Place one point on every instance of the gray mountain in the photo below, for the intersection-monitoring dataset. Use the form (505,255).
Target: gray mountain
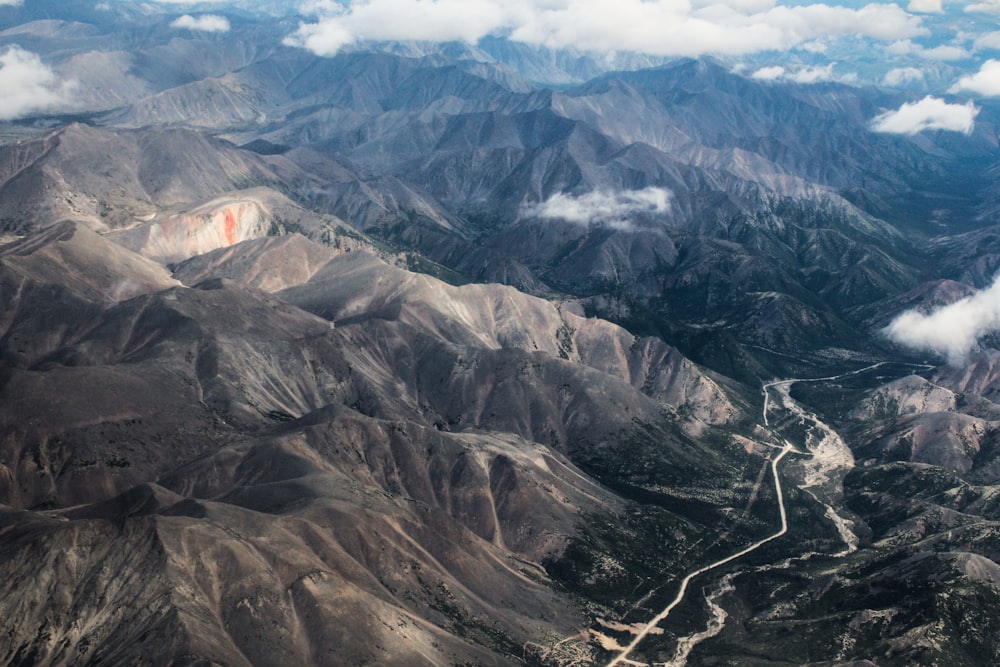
(400,357)
(264,465)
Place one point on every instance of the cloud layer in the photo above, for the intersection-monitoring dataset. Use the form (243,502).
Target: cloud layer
(926,6)
(29,85)
(985,82)
(930,113)
(985,7)
(203,23)
(944,52)
(989,41)
(902,76)
(657,27)
(608,209)
(814,74)
(953,330)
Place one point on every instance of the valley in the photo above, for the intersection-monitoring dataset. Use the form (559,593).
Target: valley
(622,658)
(825,460)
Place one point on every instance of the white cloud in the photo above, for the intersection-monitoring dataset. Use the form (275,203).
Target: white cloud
(985,82)
(818,46)
(658,27)
(952,330)
(609,209)
(814,74)
(930,113)
(318,7)
(741,5)
(399,20)
(902,76)
(906,47)
(926,6)
(818,74)
(772,73)
(986,7)
(987,41)
(15,3)
(945,52)
(203,23)
(903,47)
(29,85)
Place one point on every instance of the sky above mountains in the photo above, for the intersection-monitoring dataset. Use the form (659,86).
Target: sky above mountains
(660,27)
(919,44)
(930,47)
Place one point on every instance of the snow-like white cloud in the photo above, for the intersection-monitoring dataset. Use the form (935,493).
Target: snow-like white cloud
(945,52)
(203,23)
(926,6)
(399,20)
(770,73)
(930,113)
(984,7)
(608,209)
(985,82)
(658,27)
(811,74)
(816,46)
(30,86)
(15,3)
(902,76)
(987,41)
(907,47)
(953,330)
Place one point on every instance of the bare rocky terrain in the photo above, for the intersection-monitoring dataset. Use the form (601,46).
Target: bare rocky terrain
(400,473)
(316,361)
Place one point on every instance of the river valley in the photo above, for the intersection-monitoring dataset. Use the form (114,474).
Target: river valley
(819,461)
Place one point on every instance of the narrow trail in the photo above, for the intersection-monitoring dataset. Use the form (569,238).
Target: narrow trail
(829,455)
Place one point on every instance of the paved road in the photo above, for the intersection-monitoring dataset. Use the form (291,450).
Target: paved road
(846,534)
(622,658)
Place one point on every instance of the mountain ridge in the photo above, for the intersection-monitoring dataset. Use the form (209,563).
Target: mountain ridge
(396,357)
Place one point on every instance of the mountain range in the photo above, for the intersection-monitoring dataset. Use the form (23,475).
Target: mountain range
(440,355)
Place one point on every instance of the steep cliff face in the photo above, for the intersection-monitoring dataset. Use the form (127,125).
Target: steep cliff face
(220,223)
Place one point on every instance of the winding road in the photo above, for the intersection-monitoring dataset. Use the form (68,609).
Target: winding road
(622,658)
(830,454)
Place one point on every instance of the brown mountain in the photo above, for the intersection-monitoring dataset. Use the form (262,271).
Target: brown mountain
(212,473)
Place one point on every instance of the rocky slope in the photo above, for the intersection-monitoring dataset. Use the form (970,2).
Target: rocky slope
(303,359)
(455,158)
(400,479)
